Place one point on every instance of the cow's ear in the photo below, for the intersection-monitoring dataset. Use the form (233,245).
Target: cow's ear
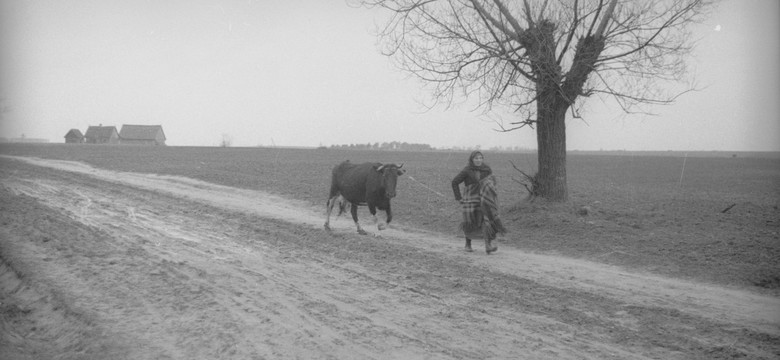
(401,172)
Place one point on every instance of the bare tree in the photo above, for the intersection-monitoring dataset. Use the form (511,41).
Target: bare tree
(543,59)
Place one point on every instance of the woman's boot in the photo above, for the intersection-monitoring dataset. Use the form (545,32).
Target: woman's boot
(468,245)
(489,247)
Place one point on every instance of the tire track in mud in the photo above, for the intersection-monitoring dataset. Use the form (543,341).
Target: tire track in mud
(302,303)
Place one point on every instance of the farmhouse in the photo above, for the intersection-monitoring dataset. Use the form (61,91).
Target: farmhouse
(102,135)
(142,135)
(74,136)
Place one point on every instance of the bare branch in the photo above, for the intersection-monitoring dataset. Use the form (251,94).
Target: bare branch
(508,15)
(493,21)
(534,183)
(528,16)
(595,18)
(605,19)
(541,12)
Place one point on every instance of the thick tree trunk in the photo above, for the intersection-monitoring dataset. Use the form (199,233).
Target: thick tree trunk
(551,106)
(551,141)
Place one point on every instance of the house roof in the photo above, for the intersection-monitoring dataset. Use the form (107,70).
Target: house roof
(100,132)
(74,132)
(141,132)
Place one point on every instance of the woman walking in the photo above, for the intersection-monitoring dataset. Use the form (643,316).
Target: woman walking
(471,200)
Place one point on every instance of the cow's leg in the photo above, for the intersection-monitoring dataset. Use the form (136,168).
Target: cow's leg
(329,209)
(372,210)
(389,213)
(389,217)
(353,210)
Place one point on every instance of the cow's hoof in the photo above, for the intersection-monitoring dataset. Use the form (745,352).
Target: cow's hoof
(491,250)
(362,232)
(381,226)
(327,227)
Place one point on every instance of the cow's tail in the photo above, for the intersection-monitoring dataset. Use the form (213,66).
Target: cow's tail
(343,205)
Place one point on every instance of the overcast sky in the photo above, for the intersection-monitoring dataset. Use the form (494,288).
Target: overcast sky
(309,73)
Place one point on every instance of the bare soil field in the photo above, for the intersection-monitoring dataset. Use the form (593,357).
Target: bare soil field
(101,262)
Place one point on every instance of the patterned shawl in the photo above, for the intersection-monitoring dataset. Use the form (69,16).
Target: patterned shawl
(488,197)
(480,208)
(472,214)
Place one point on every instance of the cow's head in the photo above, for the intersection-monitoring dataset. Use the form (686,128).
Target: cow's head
(389,174)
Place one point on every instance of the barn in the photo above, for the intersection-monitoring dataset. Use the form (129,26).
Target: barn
(102,135)
(142,135)
(74,136)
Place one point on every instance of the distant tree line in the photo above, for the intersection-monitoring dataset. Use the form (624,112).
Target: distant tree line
(395,145)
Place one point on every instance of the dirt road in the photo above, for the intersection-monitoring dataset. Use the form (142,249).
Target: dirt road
(101,264)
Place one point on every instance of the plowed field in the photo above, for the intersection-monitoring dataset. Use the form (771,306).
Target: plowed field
(105,264)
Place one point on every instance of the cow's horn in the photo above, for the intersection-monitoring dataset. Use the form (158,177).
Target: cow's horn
(400,166)
(380,168)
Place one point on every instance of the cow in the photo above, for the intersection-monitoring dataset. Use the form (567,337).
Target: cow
(371,184)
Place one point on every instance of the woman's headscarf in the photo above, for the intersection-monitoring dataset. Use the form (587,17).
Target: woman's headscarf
(471,165)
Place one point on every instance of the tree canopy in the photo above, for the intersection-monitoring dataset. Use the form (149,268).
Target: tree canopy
(484,49)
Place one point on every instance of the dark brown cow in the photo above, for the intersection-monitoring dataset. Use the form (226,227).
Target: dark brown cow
(371,184)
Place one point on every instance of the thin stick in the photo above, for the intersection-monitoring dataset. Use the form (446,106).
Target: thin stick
(728,208)
(682,172)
